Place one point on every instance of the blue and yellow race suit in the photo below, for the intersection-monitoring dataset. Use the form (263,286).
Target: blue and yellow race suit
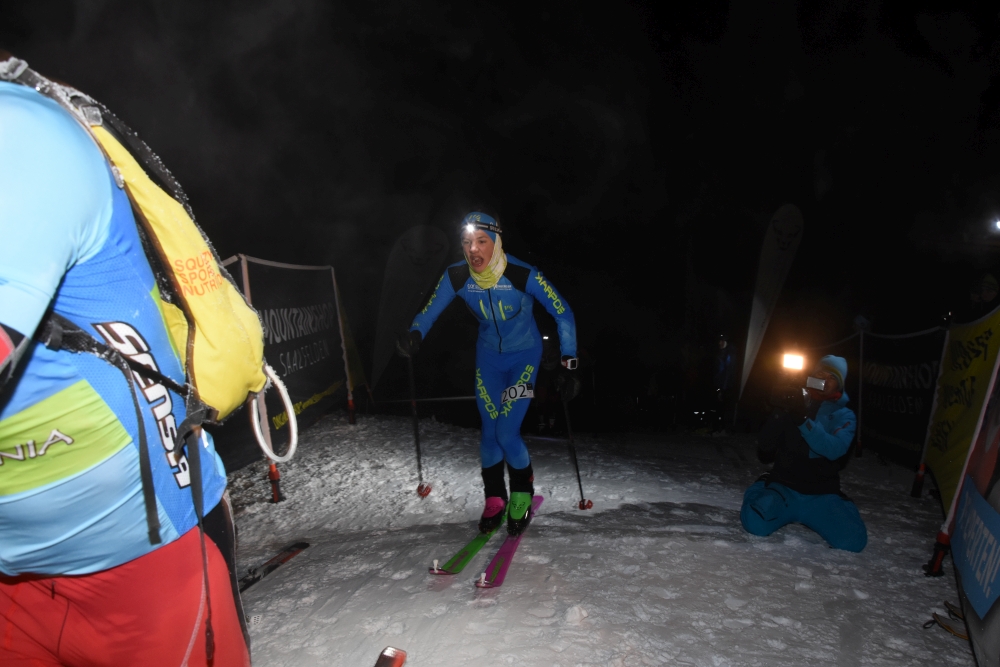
(509,349)
(71,498)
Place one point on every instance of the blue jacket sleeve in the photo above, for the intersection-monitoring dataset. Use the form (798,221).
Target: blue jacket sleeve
(543,292)
(832,443)
(440,298)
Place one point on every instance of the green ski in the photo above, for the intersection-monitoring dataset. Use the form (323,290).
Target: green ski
(466,553)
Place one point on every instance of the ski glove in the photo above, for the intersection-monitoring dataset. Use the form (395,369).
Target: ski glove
(408,343)
(568,385)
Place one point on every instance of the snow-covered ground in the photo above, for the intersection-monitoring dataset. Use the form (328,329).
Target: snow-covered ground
(659,572)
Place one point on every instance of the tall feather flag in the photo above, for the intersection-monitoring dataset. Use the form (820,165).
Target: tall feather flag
(781,241)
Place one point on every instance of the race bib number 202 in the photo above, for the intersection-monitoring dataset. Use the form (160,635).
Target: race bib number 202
(516,392)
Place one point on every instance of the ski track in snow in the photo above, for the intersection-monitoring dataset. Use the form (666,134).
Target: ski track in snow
(660,572)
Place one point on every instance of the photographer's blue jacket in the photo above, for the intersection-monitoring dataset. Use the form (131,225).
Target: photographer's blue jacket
(506,323)
(830,432)
(808,456)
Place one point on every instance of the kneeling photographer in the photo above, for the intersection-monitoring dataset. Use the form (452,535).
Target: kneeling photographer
(808,438)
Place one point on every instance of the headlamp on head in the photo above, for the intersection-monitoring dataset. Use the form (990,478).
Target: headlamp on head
(476,220)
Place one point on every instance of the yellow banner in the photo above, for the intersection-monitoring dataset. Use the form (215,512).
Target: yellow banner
(301,406)
(967,371)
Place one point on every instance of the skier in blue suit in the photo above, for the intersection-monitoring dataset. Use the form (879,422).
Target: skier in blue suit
(500,290)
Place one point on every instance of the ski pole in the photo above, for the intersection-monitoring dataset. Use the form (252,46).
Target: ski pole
(422,489)
(584,503)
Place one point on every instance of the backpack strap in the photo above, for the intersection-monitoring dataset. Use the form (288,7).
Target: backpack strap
(91,112)
(58,333)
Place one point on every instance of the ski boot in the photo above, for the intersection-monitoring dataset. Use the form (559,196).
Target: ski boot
(522,488)
(518,512)
(496,498)
(493,515)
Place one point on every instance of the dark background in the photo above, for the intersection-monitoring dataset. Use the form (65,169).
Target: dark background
(635,151)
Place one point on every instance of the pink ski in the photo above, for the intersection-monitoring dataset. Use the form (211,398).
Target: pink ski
(497,569)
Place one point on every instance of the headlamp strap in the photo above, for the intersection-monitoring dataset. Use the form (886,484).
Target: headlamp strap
(487,226)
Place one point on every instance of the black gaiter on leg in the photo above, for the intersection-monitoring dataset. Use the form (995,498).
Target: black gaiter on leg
(493,483)
(522,480)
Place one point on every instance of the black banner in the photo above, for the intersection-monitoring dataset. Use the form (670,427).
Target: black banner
(899,379)
(302,343)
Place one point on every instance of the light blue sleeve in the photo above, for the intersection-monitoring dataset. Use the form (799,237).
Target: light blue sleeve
(55,202)
(546,294)
(834,443)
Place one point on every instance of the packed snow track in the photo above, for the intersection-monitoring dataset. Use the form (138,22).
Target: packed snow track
(660,572)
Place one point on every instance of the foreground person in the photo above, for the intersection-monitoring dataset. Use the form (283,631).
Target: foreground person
(500,290)
(807,443)
(101,559)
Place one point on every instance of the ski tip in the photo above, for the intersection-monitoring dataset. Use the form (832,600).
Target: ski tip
(482,583)
(391,657)
(437,570)
(424,490)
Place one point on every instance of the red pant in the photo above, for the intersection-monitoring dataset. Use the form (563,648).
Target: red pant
(150,611)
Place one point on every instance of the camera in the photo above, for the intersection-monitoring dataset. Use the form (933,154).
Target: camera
(788,397)
(793,397)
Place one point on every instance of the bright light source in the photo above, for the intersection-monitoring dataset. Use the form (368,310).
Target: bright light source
(470,228)
(997,223)
(793,362)
(545,337)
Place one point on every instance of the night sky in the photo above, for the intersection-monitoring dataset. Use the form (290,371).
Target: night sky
(634,151)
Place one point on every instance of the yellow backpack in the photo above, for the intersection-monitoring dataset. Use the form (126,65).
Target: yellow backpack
(215,332)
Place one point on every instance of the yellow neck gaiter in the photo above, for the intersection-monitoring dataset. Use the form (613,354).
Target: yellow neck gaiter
(494,270)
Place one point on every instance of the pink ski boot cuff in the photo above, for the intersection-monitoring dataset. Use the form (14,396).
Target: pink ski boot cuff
(494,505)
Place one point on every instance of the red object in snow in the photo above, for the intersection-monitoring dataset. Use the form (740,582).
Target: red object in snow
(423,491)
(391,657)
(586,504)
(275,477)
(942,546)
